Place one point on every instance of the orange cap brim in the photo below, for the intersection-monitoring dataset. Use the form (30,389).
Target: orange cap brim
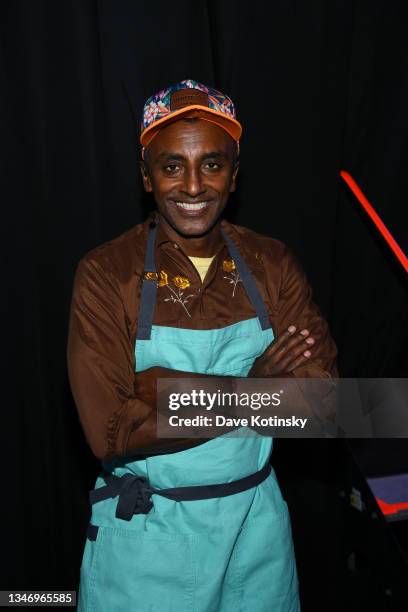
(230,125)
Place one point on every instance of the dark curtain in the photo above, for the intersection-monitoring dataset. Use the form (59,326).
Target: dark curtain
(319,87)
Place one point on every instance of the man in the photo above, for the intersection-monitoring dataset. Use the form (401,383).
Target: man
(187,294)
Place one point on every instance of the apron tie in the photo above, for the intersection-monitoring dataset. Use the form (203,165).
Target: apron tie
(134,494)
(134,497)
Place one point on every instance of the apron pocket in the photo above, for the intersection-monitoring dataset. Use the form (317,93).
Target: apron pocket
(265,563)
(138,570)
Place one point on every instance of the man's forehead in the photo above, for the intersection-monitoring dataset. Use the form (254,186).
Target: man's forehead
(198,138)
(194,128)
(203,154)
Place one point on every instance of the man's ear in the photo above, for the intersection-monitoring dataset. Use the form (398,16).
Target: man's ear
(234,176)
(145,177)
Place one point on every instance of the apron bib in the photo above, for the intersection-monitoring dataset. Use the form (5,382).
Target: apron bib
(224,554)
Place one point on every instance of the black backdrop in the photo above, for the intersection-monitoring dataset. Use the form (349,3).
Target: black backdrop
(319,86)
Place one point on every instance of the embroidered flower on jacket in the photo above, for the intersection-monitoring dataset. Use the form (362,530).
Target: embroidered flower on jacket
(181,282)
(163,279)
(151,276)
(228,265)
(177,293)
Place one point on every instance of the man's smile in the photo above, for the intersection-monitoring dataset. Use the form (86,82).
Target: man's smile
(191,209)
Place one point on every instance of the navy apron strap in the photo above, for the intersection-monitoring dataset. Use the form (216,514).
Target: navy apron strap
(218,490)
(149,290)
(134,492)
(249,283)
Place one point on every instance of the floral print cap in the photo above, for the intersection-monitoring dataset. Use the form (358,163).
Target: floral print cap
(188,98)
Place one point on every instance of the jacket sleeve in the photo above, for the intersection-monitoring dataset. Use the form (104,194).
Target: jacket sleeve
(101,368)
(296,307)
(101,362)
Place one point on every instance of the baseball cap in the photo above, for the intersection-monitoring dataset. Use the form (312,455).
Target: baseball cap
(188,98)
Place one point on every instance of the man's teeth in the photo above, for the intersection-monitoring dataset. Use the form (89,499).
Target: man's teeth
(192,206)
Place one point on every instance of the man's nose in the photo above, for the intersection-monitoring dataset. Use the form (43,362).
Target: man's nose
(193,184)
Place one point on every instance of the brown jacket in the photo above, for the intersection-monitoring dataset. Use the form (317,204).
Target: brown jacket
(104,313)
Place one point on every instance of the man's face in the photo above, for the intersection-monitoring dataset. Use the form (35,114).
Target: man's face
(191,168)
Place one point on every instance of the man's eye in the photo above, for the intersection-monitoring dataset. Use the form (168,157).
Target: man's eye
(213,165)
(171,167)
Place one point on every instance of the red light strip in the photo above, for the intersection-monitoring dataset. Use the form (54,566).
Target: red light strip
(387,508)
(392,243)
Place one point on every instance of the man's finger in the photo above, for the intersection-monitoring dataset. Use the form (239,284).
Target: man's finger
(303,358)
(292,346)
(295,351)
(281,340)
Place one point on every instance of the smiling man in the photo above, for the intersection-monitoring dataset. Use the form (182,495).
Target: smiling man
(183,524)
(191,167)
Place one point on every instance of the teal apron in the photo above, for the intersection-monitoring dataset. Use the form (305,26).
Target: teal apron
(147,552)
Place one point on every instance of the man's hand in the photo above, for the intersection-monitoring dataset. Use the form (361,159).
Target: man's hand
(287,352)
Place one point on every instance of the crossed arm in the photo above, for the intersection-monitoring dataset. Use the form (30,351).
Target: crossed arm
(117,407)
